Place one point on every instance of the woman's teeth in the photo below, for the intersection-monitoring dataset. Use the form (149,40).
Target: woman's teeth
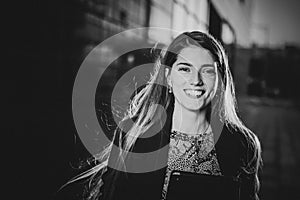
(194,93)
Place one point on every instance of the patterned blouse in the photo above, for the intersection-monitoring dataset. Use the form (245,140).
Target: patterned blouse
(191,153)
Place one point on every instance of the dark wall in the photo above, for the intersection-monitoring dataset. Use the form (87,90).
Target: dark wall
(44,56)
(47,43)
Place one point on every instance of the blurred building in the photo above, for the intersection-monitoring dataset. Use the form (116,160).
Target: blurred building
(229,21)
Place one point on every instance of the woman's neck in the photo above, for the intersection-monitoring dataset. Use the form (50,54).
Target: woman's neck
(188,121)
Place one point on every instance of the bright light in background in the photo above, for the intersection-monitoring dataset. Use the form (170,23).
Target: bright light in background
(227,35)
(179,15)
(130,58)
(179,20)
(190,16)
(161,14)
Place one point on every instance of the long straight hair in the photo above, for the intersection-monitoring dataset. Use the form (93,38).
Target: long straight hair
(143,107)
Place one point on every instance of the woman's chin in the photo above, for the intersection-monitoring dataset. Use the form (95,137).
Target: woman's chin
(194,106)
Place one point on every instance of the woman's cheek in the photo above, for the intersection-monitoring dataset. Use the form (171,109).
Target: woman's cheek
(178,80)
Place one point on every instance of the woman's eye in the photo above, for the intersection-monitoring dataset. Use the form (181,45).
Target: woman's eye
(208,71)
(184,69)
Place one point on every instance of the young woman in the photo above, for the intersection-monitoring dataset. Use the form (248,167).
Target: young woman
(171,124)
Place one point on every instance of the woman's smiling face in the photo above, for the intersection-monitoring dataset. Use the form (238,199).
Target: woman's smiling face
(193,77)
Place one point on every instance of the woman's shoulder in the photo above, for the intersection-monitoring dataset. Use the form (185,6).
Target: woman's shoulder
(246,141)
(243,137)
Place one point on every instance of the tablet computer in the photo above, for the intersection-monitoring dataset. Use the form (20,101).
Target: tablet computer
(187,185)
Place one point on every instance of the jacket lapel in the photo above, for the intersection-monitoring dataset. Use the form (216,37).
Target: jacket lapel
(228,152)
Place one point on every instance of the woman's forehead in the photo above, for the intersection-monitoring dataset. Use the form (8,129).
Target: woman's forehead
(195,55)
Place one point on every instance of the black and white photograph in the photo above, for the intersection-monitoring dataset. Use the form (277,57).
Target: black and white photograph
(153,99)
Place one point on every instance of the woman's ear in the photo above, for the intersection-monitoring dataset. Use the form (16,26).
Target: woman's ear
(168,77)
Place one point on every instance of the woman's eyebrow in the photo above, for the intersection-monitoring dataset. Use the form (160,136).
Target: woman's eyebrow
(190,65)
(185,63)
(208,65)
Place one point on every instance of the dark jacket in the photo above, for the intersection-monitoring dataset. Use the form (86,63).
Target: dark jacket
(232,153)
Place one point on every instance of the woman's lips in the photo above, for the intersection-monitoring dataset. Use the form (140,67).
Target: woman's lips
(195,94)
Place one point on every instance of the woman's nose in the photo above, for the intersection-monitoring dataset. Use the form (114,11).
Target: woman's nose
(197,79)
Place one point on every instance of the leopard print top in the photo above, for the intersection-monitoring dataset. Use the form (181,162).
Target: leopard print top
(191,153)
